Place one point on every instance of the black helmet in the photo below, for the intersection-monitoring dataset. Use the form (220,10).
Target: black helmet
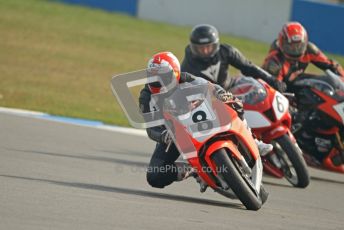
(204,41)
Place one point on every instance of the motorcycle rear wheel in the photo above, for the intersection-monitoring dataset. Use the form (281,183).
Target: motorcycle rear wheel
(235,179)
(298,165)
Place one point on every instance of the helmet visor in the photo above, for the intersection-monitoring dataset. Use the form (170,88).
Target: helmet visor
(204,50)
(294,49)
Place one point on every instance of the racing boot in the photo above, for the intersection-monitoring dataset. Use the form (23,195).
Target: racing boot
(184,171)
(263,148)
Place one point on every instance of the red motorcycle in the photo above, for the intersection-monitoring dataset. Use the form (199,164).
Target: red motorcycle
(267,114)
(216,143)
(208,133)
(319,120)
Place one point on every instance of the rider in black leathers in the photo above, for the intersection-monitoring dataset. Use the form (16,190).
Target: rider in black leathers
(205,57)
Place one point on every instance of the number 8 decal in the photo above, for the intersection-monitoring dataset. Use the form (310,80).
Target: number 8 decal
(199,116)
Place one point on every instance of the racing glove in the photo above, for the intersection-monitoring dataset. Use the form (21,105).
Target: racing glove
(237,105)
(166,137)
(234,102)
(278,85)
(222,95)
(271,80)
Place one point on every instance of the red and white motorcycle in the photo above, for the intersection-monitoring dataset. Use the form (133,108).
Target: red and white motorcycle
(267,114)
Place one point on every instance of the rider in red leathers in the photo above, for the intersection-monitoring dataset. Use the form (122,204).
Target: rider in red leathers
(291,53)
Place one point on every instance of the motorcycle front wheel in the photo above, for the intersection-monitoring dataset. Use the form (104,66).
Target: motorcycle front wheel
(292,162)
(235,178)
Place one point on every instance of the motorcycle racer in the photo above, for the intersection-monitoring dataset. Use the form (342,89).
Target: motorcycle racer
(292,52)
(165,154)
(206,57)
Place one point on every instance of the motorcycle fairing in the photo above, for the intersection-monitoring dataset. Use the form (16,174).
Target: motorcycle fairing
(339,108)
(256,120)
(331,106)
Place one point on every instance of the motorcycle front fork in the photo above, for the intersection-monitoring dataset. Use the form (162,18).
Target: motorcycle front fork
(274,159)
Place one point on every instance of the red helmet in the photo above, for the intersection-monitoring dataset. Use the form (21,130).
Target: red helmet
(163,59)
(293,40)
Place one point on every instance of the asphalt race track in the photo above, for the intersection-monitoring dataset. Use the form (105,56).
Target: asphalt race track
(63,176)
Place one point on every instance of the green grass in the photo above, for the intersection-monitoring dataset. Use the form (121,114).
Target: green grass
(60,58)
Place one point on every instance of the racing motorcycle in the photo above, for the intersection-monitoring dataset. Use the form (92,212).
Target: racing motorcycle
(318,114)
(267,114)
(208,134)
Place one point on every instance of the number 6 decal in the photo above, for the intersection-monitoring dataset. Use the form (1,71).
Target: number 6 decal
(280,105)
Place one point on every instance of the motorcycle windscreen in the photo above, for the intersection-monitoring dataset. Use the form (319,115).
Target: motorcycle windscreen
(249,90)
(330,84)
(193,114)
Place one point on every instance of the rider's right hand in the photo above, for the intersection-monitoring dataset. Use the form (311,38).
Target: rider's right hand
(278,85)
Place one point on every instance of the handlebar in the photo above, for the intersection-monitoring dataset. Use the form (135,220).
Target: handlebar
(289,94)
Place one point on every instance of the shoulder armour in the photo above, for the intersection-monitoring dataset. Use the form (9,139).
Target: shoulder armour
(272,66)
(274,45)
(312,48)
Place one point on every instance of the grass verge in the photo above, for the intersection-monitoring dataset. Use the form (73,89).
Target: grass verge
(59,59)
